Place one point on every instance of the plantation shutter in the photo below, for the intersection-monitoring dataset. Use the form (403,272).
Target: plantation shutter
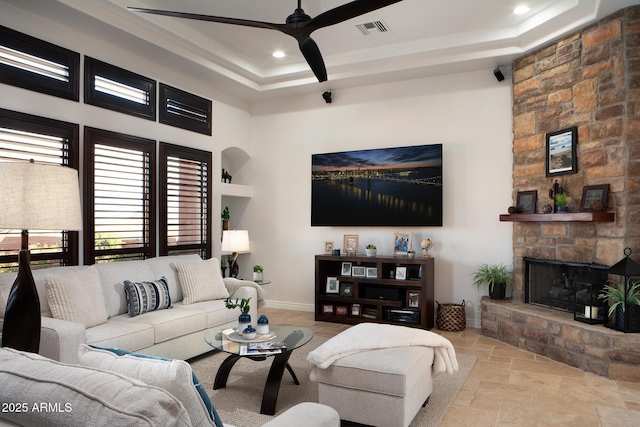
(185,198)
(119,197)
(24,137)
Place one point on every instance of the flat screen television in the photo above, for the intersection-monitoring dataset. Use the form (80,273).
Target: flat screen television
(400,186)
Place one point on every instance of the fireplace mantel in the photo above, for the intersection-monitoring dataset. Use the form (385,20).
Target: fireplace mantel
(561,217)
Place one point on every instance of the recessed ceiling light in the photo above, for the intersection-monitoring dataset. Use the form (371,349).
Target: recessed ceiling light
(278,54)
(519,10)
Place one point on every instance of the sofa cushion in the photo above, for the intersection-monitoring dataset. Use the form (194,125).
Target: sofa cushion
(216,311)
(174,376)
(130,335)
(147,296)
(168,324)
(165,266)
(77,297)
(112,277)
(74,395)
(201,280)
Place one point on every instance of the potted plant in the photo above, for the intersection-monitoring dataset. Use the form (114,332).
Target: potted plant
(615,293)
(497,278)
(244,319)
(257,273)
(225,218)
(561,202)
(371,250)
(411,253)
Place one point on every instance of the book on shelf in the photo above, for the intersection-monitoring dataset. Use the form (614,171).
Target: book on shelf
(262,348)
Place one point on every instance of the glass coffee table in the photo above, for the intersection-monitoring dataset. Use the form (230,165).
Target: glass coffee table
(293,336)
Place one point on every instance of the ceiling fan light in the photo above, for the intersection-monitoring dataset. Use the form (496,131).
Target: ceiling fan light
(519,10)
(278,54)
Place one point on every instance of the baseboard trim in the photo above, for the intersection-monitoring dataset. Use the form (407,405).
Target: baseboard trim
(283,305)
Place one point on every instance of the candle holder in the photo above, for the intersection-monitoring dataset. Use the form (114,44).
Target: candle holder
(588,308)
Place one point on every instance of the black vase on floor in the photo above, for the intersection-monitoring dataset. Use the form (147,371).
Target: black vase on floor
(498,291)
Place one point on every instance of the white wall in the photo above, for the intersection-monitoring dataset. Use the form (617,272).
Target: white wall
(470,114)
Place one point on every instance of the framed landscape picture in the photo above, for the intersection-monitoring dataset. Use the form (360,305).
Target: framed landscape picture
(561,152)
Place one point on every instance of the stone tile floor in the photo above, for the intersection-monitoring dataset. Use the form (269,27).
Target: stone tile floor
(509,387)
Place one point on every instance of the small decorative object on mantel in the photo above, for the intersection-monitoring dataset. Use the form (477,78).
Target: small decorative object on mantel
(561,202)
(512,210)
(556,193)
(371,250)
(426,245)
(547,208)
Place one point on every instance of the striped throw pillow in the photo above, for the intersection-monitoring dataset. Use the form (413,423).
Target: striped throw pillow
(147,296)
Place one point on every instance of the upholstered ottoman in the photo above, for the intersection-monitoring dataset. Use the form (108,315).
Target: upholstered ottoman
(385,387)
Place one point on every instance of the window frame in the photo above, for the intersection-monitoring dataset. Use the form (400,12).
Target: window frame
(70,131)
(120,140)
(44,50)
(93,67)
(172,150)
(167,92)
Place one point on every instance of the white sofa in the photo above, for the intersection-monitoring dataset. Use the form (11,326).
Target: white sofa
(176,333)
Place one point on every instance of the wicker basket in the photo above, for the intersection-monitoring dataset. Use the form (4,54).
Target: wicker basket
(451,317)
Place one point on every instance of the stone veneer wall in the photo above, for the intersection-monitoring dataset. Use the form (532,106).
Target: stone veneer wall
(589,79)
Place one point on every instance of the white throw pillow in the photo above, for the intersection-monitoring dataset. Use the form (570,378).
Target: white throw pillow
(77,297)
(174,376)
(201,281)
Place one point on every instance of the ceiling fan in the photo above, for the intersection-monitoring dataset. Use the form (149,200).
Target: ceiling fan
(298,25)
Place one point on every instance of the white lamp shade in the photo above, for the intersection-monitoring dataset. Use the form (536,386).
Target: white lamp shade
(235,241)
(39,196)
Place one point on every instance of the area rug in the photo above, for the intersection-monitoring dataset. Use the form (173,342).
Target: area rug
(239,402)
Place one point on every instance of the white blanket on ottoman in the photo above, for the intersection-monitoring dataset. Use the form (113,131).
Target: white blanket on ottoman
(374,336)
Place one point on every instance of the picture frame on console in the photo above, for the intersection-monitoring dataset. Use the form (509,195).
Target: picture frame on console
(327,308)
(350,244)
(372,273)
(346,269)
(355,310)
(358,271)
(561,153)
(592,194)
(401,243)
(328,248)
(346,289)
(526,201)
(332,285)
(413,299)
(401,273)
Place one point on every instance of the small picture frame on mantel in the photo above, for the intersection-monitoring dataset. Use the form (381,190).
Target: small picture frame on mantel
(526,201)
(594,196)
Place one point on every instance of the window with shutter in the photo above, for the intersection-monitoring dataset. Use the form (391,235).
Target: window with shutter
(37,65)
(184,110)
(119,197)
(117,89)
(185,201)
(24,137)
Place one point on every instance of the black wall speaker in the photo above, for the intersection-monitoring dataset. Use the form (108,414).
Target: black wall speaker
(498,74)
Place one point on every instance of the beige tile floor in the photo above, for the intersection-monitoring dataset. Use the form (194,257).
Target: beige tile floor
(509,387)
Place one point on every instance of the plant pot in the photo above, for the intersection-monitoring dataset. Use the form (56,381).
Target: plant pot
(498,291)
(371,252)
(257,277)
(225,224)
(411,255)
(244,320)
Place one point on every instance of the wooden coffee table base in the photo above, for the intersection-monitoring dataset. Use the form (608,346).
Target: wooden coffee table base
(272,386)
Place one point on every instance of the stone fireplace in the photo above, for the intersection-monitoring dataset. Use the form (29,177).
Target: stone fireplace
(589,79)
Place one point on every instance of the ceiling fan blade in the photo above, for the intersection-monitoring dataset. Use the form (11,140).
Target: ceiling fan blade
(346,12)
(221,19)
(312,54)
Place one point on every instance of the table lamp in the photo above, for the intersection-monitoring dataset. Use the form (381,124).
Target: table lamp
(235,241)
(37,197)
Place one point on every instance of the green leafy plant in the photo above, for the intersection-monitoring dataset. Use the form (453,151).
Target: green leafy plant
(257,268)
(242,304)
(561,199)
(371,247)
(614,292)
(225,213)
(489,275)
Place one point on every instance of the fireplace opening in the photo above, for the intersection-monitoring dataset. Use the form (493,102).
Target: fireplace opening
(563,285)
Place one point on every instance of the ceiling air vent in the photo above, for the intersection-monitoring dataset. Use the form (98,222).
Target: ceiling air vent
(374,27)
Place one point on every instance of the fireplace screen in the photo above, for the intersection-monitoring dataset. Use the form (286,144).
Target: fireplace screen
(553,283)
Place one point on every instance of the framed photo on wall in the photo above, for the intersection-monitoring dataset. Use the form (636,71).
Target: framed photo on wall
(561,152)
(592,194)
(350,244)
(401,243)
(526,201)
